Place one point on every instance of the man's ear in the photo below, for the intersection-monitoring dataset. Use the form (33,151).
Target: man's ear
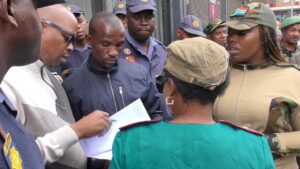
(7,12)
(125,20)
(89,39)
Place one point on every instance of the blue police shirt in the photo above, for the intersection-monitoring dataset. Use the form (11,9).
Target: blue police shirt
(153,61)
(77,57)
(22,150)
(74,61)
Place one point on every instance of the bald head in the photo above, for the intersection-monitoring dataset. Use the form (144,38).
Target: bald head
(61,25)
(107,19)
(107,36)
(56,13)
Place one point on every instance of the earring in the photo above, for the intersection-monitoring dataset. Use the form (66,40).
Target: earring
(169,100)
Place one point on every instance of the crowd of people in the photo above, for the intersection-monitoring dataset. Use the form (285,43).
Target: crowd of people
(223,95)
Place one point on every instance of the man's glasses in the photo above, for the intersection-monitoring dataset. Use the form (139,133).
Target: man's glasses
(160,82)
(68,36)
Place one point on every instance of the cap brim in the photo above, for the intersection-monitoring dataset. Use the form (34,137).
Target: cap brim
(77,12)
(287,25)
(241,24)
(222,24)
(194,32)
(142,7)
(120,12)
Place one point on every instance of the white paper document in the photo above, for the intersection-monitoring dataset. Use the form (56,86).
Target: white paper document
(100,146)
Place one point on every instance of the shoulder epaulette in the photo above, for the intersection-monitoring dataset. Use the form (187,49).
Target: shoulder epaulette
(139,124)
(159,42)
(240,127)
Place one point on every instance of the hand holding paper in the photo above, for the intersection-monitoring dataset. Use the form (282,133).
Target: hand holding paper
(100,147)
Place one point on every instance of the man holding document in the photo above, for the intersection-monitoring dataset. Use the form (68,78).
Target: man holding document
(106,82)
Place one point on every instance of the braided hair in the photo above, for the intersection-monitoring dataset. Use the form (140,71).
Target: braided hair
(270,45)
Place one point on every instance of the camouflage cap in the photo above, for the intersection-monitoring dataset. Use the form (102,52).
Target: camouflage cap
(140,5)
(198,61)
(251,15)
(120,8)
(290,21)
(213,24)
(193,25)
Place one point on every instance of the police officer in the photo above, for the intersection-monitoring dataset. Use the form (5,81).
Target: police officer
(81,47)
(190,27)
(120,11)
(290,28)
(216,31)
(140,47)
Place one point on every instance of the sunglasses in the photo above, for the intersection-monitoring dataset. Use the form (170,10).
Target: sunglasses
(160,82)
(68,36)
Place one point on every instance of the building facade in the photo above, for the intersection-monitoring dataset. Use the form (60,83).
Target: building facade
(286,8)
(170,12)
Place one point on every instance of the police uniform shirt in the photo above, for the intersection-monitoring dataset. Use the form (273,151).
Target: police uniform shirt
(18,147)
(153,60)
(76,58)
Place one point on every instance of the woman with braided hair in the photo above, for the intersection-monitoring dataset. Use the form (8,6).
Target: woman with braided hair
(264,90)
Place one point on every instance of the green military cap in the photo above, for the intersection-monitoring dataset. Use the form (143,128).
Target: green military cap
(198,61)
(212,25)
(251,15)
(290,21)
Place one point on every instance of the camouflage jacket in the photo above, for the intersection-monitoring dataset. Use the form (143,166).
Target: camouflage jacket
(265,98)
(291,56)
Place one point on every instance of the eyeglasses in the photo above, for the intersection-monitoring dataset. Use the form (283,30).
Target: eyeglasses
(160,82)
(68,36)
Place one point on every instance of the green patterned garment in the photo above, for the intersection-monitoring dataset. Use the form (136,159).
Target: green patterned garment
(291,56)
(284,119)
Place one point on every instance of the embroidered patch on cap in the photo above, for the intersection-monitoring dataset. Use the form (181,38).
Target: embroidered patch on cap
(121,6)
(196,24)
(241,11)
